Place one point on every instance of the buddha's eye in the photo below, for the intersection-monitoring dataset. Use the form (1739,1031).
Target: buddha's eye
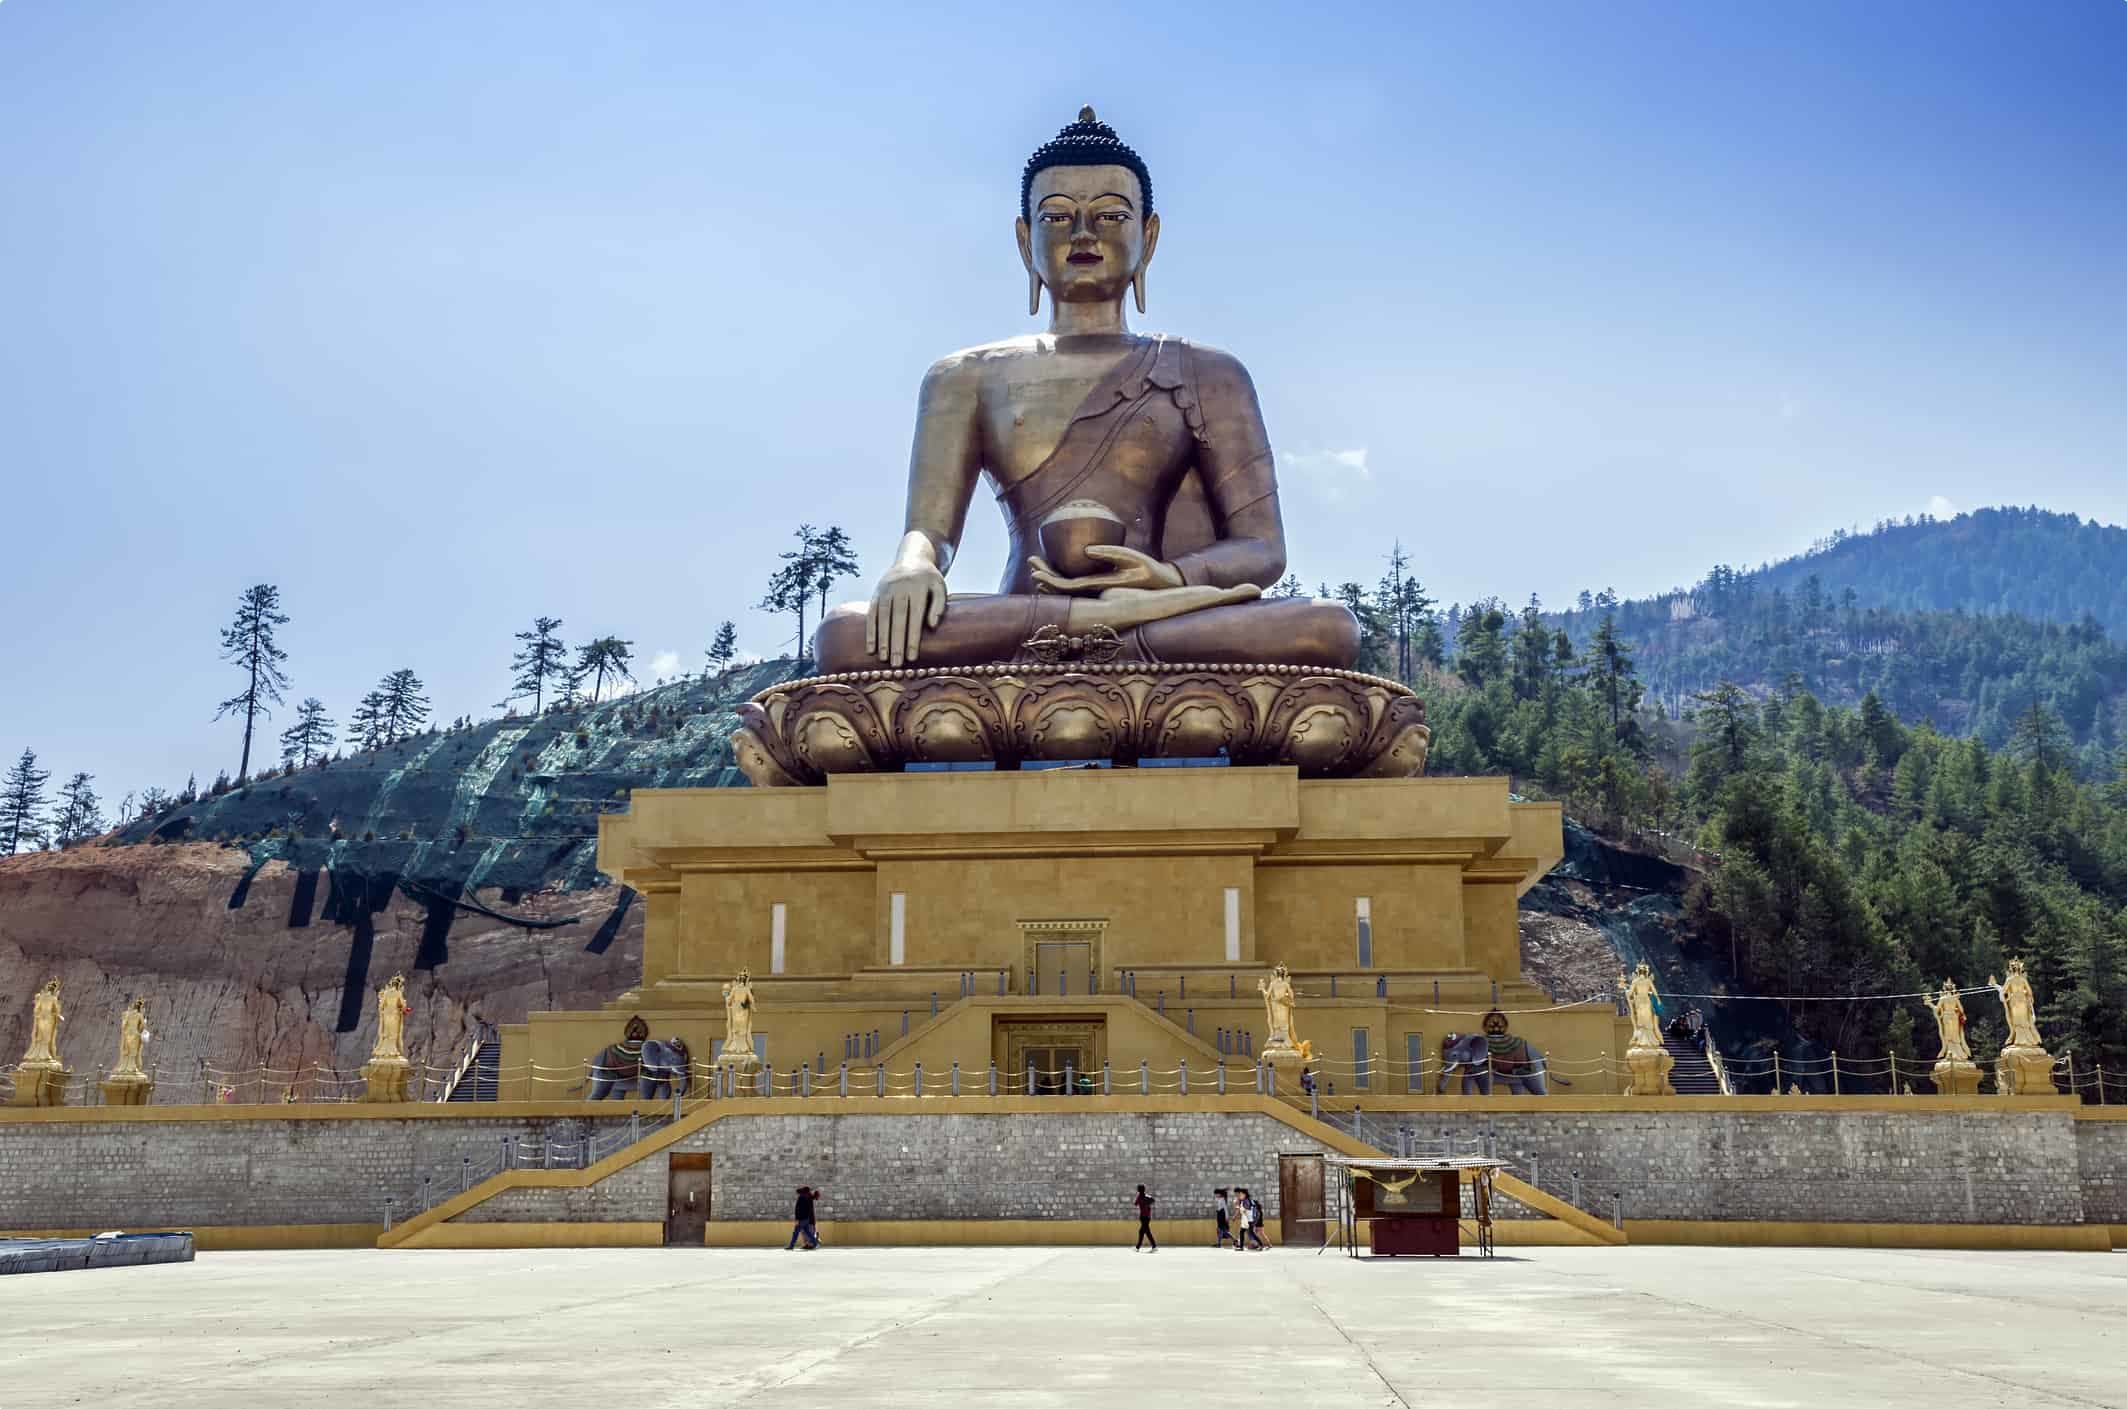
(1055,217)
(1117,217)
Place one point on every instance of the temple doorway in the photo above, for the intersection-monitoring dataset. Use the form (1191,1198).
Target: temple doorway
(1062,1054)
(1300,1201)
(1062,956)
(687,1201)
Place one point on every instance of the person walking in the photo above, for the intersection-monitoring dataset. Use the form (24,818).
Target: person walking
(1143,1203)
(1251,1223)
(805,1225)
(1225,1226)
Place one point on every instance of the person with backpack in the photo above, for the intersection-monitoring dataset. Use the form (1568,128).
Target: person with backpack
(1251,1223)
(1143,1203)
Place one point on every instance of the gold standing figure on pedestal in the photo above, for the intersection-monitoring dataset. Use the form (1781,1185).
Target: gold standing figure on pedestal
(2019,1005)
(392,1009)
(1949,1012)
(46,1014)
(1639,996)
(738,1020)
(133,1036)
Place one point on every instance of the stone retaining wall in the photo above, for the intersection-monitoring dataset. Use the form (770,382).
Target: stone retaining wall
(222,1173)
(2101,1152)
(1811,1165)
(889,1167)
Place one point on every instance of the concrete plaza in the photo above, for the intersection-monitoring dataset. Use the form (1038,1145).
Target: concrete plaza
(642,1329)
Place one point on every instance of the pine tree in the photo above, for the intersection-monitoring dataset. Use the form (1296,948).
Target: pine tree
(80,813)
(2039,739)
(367,726)
(1532,652)
(1615,683)
(833,558)
(607,657)
(309,736)
(790,590)
(22,802)
(153,803)
(401,707)
(1289,587)
(248,644)
(542,658)
(1480,647)
(722,651)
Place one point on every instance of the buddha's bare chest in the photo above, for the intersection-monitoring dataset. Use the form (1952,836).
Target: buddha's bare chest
(1029,402)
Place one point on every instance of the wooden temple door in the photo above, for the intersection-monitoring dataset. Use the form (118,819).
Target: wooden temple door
(1300,1202)
(687,1201)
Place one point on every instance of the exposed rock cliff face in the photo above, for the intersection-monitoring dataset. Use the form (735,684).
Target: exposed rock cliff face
(238,988)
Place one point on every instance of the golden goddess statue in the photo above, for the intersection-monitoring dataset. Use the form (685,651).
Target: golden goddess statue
(2019,1004)
(738,1020)
(1640,995)
(46,1014)
(392,1009)
(133,1036)
(1948,1010)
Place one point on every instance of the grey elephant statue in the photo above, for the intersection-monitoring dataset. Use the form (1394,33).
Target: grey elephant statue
(1475,1058)
(641,1065)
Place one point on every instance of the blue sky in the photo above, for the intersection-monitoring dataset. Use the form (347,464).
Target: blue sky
(443,315)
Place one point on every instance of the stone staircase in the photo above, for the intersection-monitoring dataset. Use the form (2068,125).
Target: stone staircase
(1693,1074)
(480,1078)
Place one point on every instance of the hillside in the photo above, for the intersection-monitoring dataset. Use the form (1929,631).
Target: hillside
(1963,624)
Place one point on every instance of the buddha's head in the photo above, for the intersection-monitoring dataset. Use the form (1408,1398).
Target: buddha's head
(1086,227)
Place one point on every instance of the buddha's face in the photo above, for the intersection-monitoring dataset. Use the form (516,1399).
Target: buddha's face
(1087,236)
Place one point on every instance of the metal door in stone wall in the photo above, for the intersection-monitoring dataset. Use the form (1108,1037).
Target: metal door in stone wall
(1300,1200)
(687,1201)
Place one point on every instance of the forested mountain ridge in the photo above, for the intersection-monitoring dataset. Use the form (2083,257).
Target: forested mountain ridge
(1962,623)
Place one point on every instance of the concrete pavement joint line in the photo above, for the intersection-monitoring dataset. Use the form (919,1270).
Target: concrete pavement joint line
(1866,1348)
(1335,1325)
(762,1384)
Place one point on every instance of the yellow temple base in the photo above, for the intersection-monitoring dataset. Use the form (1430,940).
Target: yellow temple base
(1096,920)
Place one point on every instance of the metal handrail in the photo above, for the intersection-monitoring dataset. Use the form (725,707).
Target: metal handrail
(1713,1058)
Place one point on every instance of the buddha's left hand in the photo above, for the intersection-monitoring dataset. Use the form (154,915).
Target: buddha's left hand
(1120,608)
(1127,568)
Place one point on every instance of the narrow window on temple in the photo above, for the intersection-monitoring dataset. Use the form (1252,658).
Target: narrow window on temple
(1414,1061)
(1233,924)
(1366,932)
(776,917)
(897,927)
(1362,1078)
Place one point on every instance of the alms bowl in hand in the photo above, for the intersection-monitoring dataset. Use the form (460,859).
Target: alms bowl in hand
(1075,527)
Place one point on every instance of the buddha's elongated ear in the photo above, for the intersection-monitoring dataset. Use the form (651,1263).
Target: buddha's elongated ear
(1152,241)
(1026,257)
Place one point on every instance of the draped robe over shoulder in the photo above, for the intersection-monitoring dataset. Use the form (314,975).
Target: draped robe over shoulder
(1183,460)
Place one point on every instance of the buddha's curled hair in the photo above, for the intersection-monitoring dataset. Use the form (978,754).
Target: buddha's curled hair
(1086,142)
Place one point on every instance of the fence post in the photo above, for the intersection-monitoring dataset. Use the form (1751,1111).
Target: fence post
(845,1078)
(1144,1077)
(679,1096)
(465,1174)
(993,1078)
(1070,1078)
(1185,1076)
(1107,1079)
(1536,1176)
(387,1215)
(805,1079)
(1894,1073)
(1835,1071)
(1001,973)
(1358,1116)
(1030,1079)
(2101,1083)
(1576,1189)
(1776,1071)
(956,1078)
(879,1077)
(1314,1104)
(1617,1212)
(919,1078)
(934,1002)
(1270,1079)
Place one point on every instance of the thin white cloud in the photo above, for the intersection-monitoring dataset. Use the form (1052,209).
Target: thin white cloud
(664,665)
(1330,472)
(1941,508)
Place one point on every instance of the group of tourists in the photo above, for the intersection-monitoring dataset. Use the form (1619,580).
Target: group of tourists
(1240,1220)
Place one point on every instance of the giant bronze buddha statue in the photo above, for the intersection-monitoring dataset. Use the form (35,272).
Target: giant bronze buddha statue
(1137,486)
(1090,431)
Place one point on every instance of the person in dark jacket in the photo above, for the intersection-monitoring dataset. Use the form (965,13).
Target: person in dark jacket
(805,1227)
(1143,1204)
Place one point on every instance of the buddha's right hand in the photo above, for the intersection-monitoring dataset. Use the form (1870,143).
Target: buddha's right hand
(909,598)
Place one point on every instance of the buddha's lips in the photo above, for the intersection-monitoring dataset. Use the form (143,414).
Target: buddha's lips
(1084,257)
